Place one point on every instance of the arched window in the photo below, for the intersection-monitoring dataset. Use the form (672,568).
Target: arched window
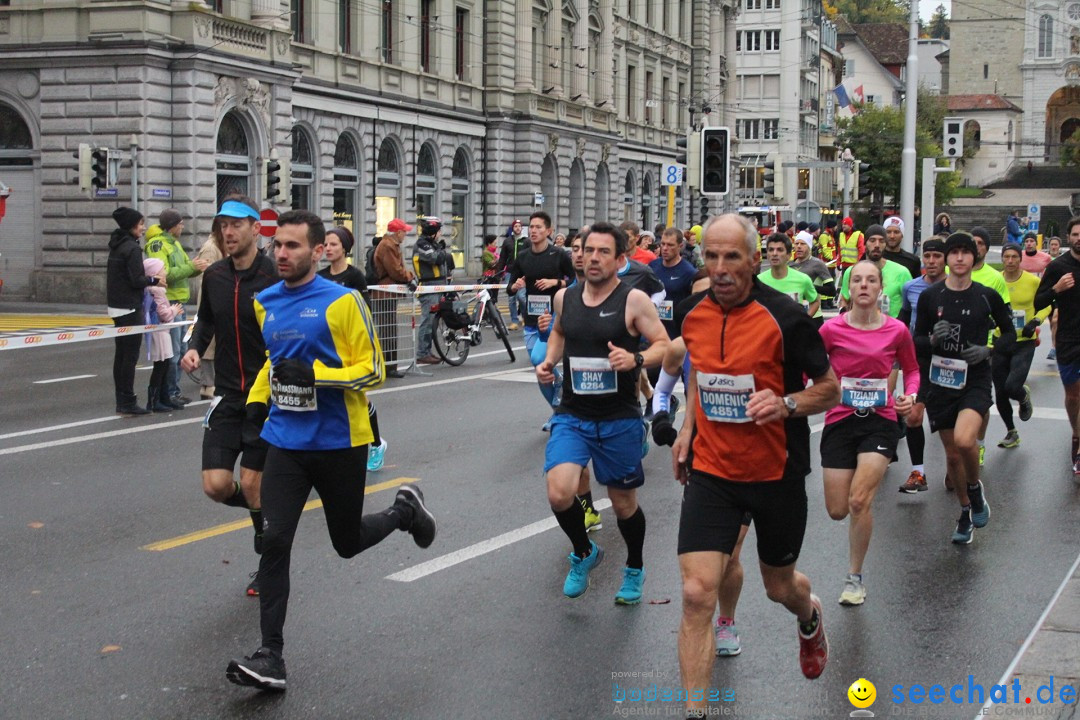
(16,142)
(387,185)
(577,195)
(346,185)
(1046,37)
(628,196)
(646,202)
(303,171)
(603,193)
(459,202)
(427,181)
(233,158)
(973,135)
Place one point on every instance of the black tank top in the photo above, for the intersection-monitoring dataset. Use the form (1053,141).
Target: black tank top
(591,389)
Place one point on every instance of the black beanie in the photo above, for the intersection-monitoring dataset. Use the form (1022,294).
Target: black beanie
(126,217)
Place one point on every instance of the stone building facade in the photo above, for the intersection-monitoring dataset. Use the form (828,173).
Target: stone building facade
(476,111)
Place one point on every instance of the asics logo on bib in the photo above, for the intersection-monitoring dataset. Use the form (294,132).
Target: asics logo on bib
(721,381)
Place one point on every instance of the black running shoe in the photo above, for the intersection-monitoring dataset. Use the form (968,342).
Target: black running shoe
(264,669)
(258,543)
(422,527)
(253,586)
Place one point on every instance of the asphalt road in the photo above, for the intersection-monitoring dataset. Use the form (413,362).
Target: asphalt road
(95,625)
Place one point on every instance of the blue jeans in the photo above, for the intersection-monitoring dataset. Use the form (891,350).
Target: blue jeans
(427,321)
(179,347)
(536,348)
(516,303)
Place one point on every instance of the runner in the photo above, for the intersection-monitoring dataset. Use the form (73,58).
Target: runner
(1011,364)
(952,325)
(861,433)
(1058,286)
(322,356)
(596,334)
(796,285)
(816,269)
(750,446)
(933,255)
(895,274)
(227,315)
(894,246)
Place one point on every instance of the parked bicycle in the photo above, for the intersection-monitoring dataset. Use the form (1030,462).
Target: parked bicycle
(456,330)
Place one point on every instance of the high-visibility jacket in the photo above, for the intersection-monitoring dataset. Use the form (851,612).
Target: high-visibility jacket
(849,248)
(826,247)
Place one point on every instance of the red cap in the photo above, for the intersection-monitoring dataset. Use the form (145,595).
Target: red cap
(848,222)
(397,225)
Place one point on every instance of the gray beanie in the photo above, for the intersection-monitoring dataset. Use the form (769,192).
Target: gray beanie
(168,219)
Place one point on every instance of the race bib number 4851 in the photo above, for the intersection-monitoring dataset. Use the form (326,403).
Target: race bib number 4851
(723,398)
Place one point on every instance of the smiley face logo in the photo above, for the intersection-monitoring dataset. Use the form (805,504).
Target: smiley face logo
(862,693)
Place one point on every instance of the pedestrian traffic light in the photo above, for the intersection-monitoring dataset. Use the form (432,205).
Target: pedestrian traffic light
(85,173)
(691,158)
(953,137)
(272,173)
(99,168)
(773,179)
(715,147)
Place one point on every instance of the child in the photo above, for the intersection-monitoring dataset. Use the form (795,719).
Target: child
(156,309)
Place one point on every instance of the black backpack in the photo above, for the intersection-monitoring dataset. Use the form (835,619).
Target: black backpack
(369,268)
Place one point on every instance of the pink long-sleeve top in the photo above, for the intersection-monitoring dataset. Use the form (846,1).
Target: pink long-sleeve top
(869,354)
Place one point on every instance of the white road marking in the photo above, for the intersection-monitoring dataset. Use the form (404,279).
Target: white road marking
(65,426)
(483,547)
(63,379)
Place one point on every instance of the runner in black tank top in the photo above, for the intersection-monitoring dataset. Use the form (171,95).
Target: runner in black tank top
(596,334)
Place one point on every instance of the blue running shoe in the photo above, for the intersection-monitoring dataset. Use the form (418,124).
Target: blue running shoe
(964,529)
(1052,355)
(727,640)
(630,592)
(980,509)
(577,580)
(376,456)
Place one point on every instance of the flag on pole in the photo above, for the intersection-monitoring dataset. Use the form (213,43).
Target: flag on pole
(859,94)
(841,96)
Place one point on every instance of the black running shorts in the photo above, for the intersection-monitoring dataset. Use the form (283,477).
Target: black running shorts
(223,438)
(713,512)
(943,406)
(842,441)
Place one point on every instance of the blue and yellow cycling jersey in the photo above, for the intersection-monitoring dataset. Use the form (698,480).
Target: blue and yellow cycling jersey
(329,327)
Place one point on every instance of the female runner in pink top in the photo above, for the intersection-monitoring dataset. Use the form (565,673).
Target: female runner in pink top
(861,433)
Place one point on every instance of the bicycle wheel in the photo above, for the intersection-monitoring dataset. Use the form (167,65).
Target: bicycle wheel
(500,329)
(450,345)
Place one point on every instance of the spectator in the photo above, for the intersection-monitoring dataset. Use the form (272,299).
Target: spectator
(433,264)
(943,225)
(516,242)
(634,248)
(1014,229)
(692,249)
(157,309)
(125,280)
(390,268)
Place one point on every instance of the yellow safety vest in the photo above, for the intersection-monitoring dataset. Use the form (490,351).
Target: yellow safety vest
(825,246)
(849,248)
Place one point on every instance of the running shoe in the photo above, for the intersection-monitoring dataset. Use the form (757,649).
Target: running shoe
(1076,467)
(512,326)
(630,592)
(593,521)
(253,586)
(854,591)
(673,406)
(916,482)
(980,509)
(1026,409)
(376,456)
(964,529)
(1011,439)
(727,640)
(258,543)
(1052,355)
(814,648)
(422,527)
(264,669)
(982,455)
(546,427)
(577,580)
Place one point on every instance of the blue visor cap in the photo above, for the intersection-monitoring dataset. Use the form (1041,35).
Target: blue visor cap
(235,209)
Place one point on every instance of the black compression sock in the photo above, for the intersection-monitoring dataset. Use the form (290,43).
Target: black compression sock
(256,521)
(586,499)
(633,532)
(916,442)
(810,626)
(373,418)
(572,521)
(237,499)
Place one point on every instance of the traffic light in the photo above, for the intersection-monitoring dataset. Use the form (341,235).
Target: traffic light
(272,171)
(704,208)
(953,137)
(774,177)
(715,146)
(861,190)
(691,158)
(85,173)
(99,168)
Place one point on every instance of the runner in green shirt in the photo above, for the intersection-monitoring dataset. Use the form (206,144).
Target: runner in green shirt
(893,274)
(797,285)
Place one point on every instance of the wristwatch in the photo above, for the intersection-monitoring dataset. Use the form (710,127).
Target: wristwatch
(790,404)
(639,360)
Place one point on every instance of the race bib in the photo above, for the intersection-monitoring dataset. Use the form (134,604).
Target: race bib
(1019,319)
(592,376)
(666,308)
(797,297)
(864,393)
(883,303)
(538,304)
(294,398)
(948,373)
(723,398)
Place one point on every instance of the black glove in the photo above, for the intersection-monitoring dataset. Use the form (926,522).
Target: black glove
(294,372)
(663,432)
(1030,328)
(412,285)
(975,354)
(940,332)
(254,417)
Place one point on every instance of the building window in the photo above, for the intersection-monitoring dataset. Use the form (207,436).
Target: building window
(15,138)
(461,31)
(649,13)
(770,129)
(233,158)
(986,71)
(647,200)
(630,9)
(871,99)
(631,78)
(772,4)
(387,185)
(1046,36)
(753,4)
(296,20)
(649,100)
(750,130)
(751,41)
(459,201)
(628,196)
(849,68)
(345,11)
(427,182)
(346,186)
(388,31)
(566,55)
(303,171)
(665,102)
(425,34)
(539,47)
(594,57)
(772,40)
(682,17)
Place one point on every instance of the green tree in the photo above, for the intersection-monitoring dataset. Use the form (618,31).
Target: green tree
(876,136)
(868,11)
(939,24)
(1070,151)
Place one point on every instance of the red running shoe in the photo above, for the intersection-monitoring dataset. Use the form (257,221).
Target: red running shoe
(814,650)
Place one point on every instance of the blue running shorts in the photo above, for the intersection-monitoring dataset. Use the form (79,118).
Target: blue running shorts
(614,446)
